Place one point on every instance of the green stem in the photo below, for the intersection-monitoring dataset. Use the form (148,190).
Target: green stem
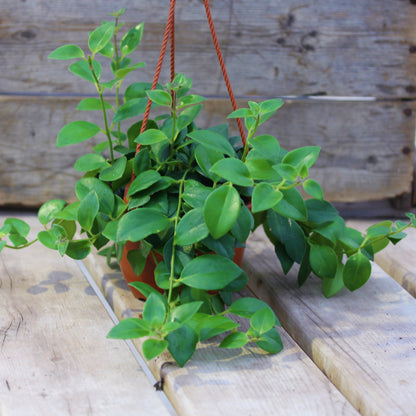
(22,246)
(250,134)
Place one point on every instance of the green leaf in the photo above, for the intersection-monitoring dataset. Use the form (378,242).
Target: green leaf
(104,193)
(313,188)
(357,271)
(191,228)
(243,226)
(292,205)
(69,213)
(331,286)
(213,141)
(154,347)
(79,249)
(270,106)
(189,100)
(265,197)
(67,52)
(210,272)
(182,343)
(206,158)
(233,170)
(247,307)
(160,97)
(82,69)
(320,211)
(99,38)
(262,320)
(151,136)
(131,108)
(130,328)
(302,156)
(184,312)
(123,72)
(271,342)
(88,210)
(154,311)
(131,39)
(143,181)
(241,113)
(115,171)
(221,210)
(195,193)
(187,116)
(324,261)
(76,132)
(234,340)
(215,325)
(17,226)
(286,171)
(261,168)
(89,162)
(140,223)
(93,104)
(267,146)
(47,212)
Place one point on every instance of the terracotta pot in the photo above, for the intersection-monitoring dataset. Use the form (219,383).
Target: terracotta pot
(148,276)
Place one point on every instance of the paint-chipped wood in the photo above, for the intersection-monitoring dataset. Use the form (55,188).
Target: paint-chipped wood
(242,382)
(363,341)
(54,355)
(367,147)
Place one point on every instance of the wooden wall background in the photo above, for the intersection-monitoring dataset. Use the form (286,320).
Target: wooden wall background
(311,51)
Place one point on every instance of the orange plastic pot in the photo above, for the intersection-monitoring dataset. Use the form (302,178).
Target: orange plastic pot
(148,274)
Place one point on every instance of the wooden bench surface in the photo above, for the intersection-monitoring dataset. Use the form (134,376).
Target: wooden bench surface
(54,355)
(354,353)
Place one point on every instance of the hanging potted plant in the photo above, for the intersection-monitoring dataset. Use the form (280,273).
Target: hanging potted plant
(185,200)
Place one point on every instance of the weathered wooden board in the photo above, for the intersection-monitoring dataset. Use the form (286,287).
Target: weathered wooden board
(398,261)
(365,341)
(231,382)
(367,151)
(360,48)
(54,355)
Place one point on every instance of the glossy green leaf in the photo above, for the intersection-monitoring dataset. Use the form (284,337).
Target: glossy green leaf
(82,69)
(123,72)
(213,141)
(210,272)
(215,325)
(104,193)
(130,328)
(265,197)
(187,116)
(234,340)
(131,39)
(195,193)
(191,228)
(160,97)
(153,347)
(140,223)
(323,260)
(189,100)
(17,226)
(48,210)
(143,181)
(313,188)
(271,342)
(331,286)
(89,162)
(182,343)
(267,146)
(99,38)
(221,210)
(154,310)
(247,307)
(233,170)
(76,132)
(93,104)
(184,312)
(115,171)
(292,205)
(320,211)
(270,106)
(302,156)
(241,113)
(131,108)
(79,249)
(243,226)
(357,271)
(286,171)
(151,136)
(68,213)
(88,210)
(262,320)
(67,52)
(261,168)
(206,158)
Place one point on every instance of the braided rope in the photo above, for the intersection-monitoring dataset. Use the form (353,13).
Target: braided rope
(223,69)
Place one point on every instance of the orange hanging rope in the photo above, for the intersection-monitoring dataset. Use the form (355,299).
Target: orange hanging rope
(223,69)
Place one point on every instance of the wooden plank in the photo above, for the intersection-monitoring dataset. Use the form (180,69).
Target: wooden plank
(363,341)
(398,261)
(368,147)
(54,355)
(360,48)
(231,382)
